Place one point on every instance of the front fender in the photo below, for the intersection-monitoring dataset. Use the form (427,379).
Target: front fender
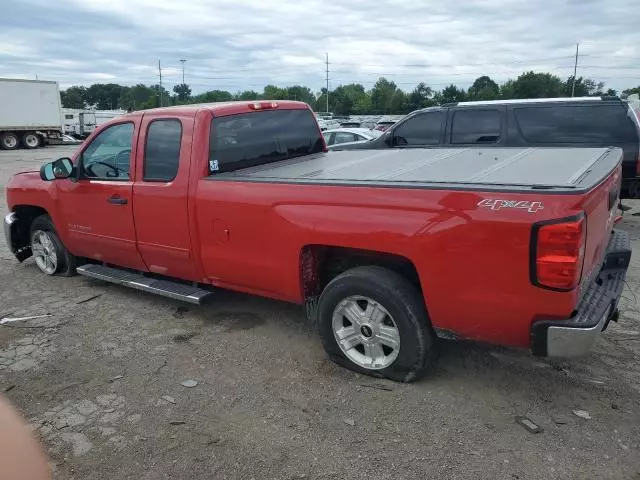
(16,232)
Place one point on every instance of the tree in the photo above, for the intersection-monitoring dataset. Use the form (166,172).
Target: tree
(345,98)
(73,97)
(104,96)
(247,95)
(451,94)
(139,96)
(182,91)
(420,97)
(399,102)
(159,97)
(213,96)
(631,91)
(533,85)
(363,105)
(382,95)
(483,88)
(271,92)
(301,94)
(585,87)
(321,101)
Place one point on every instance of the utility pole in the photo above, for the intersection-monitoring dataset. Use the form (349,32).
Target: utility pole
(160,86)
(575,71)
(327,64)
(182,62)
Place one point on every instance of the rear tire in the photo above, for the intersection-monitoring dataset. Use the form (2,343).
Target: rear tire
(51,256)
(367,311)
(31,140)
(9,141)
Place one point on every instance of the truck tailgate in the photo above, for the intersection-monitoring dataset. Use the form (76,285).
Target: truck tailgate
(600,208)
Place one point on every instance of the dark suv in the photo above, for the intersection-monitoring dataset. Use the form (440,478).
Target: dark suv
(548,122)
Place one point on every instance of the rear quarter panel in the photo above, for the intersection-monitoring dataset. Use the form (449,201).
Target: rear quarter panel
(473,262)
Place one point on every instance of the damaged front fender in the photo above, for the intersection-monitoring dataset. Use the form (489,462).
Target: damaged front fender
(17,236)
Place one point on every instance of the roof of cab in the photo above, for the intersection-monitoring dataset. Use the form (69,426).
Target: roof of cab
(226,108)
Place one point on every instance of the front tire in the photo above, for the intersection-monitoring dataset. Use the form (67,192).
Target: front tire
(50,255)
(9,141)
(31,140)
(373,321)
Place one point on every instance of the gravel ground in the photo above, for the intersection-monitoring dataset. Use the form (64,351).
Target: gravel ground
(100,382)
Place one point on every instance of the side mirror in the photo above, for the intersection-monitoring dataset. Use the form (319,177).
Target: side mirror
(58,169)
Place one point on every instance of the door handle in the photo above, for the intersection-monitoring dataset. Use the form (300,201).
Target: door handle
(116,200)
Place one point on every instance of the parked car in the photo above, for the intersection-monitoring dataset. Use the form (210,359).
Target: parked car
(350,124)
(387,250)
(550,122)
(384,124)
(328,124)
(347,135)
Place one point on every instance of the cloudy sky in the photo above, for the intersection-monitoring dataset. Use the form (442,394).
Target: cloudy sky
(245,44)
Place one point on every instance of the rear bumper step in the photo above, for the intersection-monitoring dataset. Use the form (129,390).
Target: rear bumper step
(165,288)
(575,336)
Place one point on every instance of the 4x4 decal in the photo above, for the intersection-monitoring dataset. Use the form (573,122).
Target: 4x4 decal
(491,204)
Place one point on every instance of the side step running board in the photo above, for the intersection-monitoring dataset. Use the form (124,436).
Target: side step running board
(166,288)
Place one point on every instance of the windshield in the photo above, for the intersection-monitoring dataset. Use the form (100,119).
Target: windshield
(249,139)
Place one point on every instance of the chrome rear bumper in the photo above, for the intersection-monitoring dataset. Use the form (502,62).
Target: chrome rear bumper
(575,336)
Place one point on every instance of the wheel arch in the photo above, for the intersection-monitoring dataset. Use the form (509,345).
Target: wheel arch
(20,229)
(319,264)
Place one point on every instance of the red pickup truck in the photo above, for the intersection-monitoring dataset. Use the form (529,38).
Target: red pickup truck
(388,250)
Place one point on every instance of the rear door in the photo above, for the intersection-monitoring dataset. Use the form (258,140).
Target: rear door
(160,194)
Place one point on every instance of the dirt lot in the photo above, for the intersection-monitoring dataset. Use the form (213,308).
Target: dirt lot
(100,381)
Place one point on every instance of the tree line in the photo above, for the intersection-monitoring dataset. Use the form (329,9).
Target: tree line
(353,99)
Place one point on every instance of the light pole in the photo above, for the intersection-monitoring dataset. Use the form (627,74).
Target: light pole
(182,62)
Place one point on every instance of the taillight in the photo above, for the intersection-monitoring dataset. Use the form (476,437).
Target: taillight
(558,253)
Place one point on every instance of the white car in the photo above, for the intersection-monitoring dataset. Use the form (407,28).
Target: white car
(349,135)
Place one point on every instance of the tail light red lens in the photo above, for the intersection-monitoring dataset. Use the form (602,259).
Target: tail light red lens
(558,254)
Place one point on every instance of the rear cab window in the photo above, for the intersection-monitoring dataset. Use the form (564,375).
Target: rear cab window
(256,138)
(597,124)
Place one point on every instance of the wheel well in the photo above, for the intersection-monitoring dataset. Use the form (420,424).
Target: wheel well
(26,215)
(320,264)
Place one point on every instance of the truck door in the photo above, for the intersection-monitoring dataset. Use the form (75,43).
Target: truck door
(96,207)
(160,195)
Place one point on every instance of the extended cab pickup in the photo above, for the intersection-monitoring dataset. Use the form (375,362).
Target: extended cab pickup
(388,250)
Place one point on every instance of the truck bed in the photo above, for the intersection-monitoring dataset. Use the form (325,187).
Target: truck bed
(556,169)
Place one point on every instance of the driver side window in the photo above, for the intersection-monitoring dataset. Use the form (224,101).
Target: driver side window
(108,157)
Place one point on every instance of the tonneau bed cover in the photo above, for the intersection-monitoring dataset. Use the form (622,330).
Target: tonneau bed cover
(569,169)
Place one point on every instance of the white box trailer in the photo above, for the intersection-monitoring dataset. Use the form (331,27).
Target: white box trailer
(81,123)
(30,113)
